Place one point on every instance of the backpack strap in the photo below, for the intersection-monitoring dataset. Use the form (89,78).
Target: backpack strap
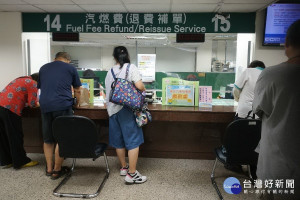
(127,71)
(248,116)
(112,72)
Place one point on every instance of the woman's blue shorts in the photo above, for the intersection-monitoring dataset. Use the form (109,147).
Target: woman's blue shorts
(123,130)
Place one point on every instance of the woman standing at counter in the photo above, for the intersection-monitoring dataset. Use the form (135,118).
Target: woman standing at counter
(123,130)
(13,99)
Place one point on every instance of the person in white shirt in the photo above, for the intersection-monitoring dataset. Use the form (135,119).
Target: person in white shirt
(243,91)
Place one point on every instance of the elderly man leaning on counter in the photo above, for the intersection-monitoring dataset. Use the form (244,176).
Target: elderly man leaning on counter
(55,81)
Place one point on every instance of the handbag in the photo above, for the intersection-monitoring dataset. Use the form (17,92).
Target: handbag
(124,92)
(142,117)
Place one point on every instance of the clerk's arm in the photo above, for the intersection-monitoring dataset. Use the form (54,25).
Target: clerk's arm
(236,94)
(239,84)
(140,85)
(77,94)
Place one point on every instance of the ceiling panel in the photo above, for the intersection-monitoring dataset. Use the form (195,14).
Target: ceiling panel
(148,8)
(249,1)
(146,2)
(195,1)
(133,5)
(241,7)
(61,8)
(95,2)
(19,8)
(11,2)
(193,7)
(47,2)
(104,8)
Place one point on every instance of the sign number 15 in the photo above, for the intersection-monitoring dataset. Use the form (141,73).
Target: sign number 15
(225,24)
(55,23)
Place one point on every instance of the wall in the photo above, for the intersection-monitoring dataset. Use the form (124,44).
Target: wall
(36,51)
(171,59)
(10,47)
(269,55)
(204,54)
(242,52)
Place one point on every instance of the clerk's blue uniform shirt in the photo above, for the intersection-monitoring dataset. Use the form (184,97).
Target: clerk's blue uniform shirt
(55,81)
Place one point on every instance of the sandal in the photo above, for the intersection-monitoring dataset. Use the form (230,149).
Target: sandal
(48,173)
(64,170)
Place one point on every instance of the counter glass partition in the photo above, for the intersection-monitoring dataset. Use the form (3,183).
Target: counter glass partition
(212,63)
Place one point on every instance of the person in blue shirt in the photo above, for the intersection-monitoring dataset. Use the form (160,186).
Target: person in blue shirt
(55,82)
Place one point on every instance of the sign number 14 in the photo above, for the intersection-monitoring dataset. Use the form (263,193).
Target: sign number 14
(55,23)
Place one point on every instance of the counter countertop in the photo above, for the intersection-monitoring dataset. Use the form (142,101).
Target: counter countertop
(159,107)
(218,114)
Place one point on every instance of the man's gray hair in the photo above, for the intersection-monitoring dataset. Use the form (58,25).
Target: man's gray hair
(64,55)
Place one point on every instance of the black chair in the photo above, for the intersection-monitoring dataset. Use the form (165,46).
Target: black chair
(77,138)
(241,138)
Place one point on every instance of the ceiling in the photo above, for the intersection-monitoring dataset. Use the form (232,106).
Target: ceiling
(143,6)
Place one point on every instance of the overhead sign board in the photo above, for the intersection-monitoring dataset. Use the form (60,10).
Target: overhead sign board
(139,22)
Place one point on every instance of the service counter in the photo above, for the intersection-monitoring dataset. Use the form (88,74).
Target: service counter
(175,132)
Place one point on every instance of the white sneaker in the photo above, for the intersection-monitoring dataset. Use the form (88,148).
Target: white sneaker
(136,178)
(124,170)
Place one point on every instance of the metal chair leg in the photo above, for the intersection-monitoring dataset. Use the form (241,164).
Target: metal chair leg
(103,181)
(106,163)
(55,193)
(73,195)
(249,174)
(212,177)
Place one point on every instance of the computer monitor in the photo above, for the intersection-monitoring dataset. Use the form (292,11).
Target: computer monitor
(279,17)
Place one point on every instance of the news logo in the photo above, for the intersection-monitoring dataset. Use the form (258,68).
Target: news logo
(232,186)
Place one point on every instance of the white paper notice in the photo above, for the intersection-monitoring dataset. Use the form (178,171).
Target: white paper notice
(146,66)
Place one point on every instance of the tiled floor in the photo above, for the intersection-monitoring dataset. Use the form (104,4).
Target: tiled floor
(167,179)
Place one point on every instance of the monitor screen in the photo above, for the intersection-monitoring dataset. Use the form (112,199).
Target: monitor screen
(278,18)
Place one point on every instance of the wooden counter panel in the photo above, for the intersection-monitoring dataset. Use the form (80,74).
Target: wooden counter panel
(175,132)
(33,138)
(182,136)
(92,114)
(201,117)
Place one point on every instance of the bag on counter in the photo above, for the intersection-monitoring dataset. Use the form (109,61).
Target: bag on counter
(143,116)
(124,92)
(84,97)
